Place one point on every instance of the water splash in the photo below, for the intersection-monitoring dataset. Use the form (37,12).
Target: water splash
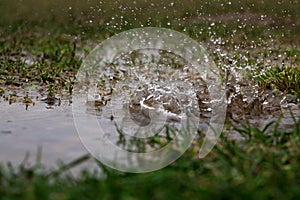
(150,84)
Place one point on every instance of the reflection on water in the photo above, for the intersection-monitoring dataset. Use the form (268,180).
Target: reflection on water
(24,131)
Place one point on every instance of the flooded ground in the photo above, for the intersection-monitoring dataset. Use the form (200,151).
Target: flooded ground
(255,45)
(37,117)
(39,58)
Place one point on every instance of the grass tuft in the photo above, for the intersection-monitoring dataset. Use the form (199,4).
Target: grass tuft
(283,78)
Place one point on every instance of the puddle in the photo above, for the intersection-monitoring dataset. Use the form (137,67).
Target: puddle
(52,128)
(23,131)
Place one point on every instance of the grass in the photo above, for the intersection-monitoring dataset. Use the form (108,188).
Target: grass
(46,48)
(42,44)
(259,167)
(283,78)
(58,30)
